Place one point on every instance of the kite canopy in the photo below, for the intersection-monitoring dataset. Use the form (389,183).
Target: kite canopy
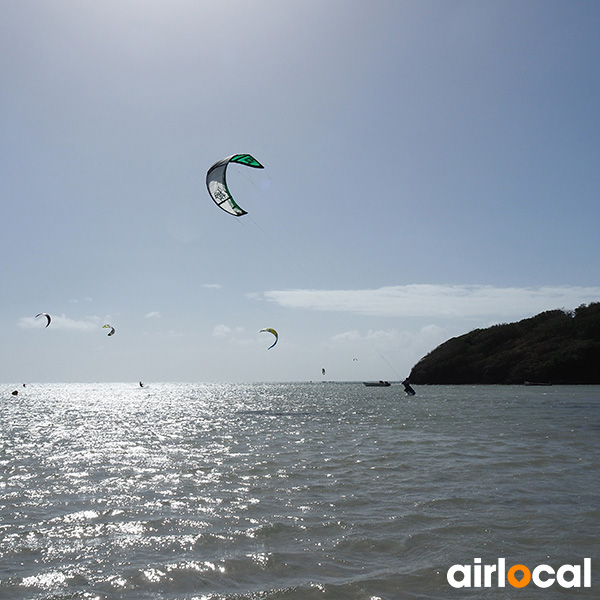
(112,329)
(44,315)
(269,330)
(216,182)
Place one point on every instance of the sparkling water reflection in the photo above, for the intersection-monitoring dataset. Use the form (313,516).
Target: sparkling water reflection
(290,491)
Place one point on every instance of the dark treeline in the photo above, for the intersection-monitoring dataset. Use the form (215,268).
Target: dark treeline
(556,346)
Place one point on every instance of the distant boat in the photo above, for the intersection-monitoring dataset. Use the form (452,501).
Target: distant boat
(377,383)
(536,383)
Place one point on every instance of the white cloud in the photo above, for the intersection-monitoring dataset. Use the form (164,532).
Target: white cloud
(347,336)
(153,315)
(211,286)
(221,331)
(62,322)
(448,301)
(382,335)
(235,336)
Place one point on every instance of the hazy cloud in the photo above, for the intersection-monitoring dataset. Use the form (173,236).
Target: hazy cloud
(448,301)
(220,331)
(347,336)
(237,336)
(426,336)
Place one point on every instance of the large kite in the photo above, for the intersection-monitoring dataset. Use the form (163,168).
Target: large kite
(216,182)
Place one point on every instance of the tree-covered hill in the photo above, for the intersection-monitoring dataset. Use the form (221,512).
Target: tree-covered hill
(555,346)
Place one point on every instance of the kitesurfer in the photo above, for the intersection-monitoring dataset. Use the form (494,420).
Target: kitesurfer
(407,388)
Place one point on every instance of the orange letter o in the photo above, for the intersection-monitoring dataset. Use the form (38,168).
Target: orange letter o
(514,581)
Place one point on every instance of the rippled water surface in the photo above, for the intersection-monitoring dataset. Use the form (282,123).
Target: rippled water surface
(292,491)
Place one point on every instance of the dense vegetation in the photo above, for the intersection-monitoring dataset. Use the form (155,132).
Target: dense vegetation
(556,346)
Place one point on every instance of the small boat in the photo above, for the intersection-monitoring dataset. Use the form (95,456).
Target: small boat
(537,383)
(377,383)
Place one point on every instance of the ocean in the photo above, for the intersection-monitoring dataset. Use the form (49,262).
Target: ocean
(296,491)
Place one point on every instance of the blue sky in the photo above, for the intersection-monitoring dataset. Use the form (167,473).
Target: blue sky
(430,167)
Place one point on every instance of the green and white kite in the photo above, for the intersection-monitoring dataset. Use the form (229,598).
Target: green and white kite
(216,182)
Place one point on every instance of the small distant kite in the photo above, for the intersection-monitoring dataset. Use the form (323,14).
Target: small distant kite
(270,330)
(112,329)
(44,315)
(322,371)
(217,183)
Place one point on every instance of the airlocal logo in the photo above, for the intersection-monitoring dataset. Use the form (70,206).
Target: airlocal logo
(519,576)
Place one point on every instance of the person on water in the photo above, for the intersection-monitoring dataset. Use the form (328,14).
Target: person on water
(407,388)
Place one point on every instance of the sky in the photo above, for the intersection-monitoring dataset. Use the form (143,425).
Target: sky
(431,167)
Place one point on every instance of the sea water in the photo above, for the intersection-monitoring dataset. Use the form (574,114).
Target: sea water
(300,491)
